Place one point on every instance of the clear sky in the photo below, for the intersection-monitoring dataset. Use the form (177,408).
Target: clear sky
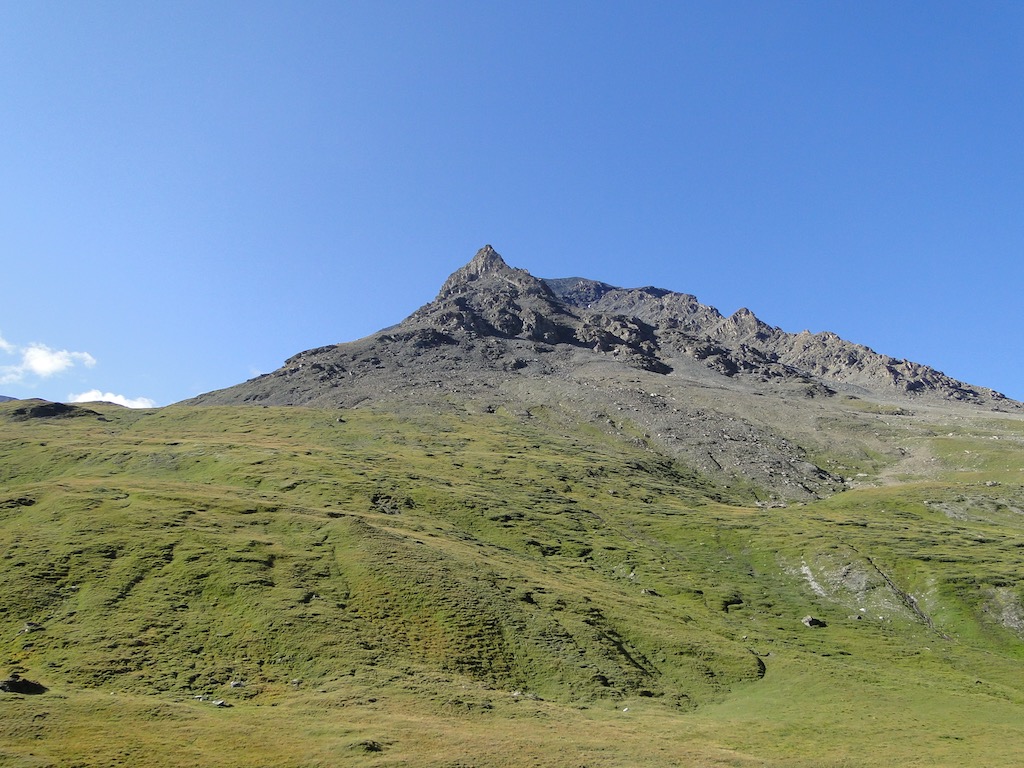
(191,192)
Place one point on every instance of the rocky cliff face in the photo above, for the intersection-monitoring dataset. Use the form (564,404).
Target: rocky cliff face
(742,344)
(726,395)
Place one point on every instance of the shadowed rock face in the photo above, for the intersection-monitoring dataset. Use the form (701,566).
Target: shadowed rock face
(727,395)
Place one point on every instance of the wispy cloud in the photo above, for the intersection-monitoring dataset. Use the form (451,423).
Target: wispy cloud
(94,395)
(39,360)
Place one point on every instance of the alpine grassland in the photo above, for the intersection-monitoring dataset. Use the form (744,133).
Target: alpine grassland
(286,586)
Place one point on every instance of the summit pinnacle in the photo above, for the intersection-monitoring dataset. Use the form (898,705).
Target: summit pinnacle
(484,266)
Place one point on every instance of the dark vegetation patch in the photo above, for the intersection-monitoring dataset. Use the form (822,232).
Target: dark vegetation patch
(39,409)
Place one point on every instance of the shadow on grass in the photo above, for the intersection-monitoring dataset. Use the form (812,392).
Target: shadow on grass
(17,684)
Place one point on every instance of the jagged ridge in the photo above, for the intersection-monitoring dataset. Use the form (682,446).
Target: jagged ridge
(647,328)
(743,344)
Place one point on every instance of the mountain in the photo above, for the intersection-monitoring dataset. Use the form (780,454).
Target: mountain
(490,320)
(727,396)
(4,398)
(539,522)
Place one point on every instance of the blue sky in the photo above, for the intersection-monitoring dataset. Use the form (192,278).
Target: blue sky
(192,192)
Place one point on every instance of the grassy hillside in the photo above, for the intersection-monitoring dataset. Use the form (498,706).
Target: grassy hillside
(491,589)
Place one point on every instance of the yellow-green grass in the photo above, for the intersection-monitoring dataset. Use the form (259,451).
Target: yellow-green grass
(489,589)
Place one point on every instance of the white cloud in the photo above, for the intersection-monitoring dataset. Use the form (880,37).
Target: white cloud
(43,361)
(39,360)
(94,395)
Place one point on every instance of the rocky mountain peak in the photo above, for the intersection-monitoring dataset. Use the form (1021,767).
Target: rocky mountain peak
(488,268)
(487,261)
(488,258)
(649,329)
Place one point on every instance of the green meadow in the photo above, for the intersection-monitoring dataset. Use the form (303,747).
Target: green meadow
(248,586)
